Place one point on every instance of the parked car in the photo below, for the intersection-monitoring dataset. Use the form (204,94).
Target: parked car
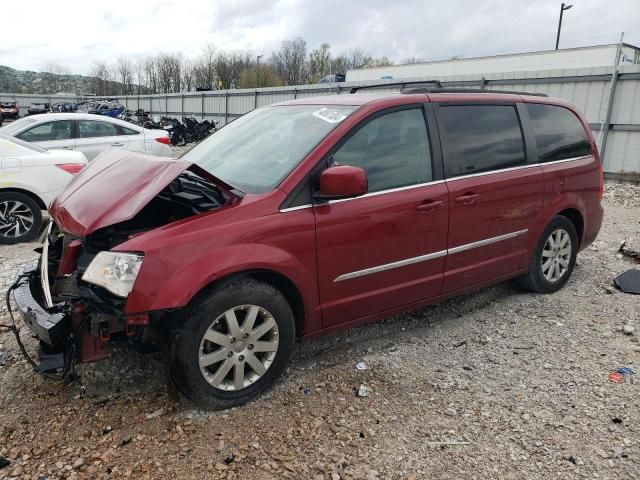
(64,107)
(38,108)
(31,178)
(109,108)
(307,217)
(9,109)
(89,134)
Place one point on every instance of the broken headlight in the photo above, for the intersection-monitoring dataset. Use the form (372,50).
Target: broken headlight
(114,271)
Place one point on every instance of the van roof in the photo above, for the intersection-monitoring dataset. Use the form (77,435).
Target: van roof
(360,99)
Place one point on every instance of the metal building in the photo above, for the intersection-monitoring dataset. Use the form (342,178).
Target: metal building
(582,57)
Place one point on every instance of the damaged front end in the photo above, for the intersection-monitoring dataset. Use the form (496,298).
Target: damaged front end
(74,299)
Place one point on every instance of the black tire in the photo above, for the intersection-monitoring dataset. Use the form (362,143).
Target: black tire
(33,231)
(184,368)
(534,280)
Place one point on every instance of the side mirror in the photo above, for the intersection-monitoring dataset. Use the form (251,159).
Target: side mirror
(342,181)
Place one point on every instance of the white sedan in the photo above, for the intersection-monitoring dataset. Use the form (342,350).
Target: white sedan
(30,178)
(89,134)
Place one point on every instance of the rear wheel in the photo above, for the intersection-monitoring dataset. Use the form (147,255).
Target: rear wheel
(20,218)
(233,345)
(554,258)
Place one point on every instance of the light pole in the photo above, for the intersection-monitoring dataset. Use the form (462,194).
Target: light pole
(258,70)
(563,7)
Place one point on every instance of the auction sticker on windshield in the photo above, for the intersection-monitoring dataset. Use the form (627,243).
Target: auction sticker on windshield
(329,115)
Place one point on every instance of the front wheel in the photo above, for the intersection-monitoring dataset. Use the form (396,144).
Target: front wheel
(235,342)
(554,258)
(20,218)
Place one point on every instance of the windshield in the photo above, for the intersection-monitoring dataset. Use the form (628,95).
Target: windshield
(11,128)
(257,151)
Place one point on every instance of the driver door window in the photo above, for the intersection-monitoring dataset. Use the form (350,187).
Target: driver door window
(58,134)
(46,132)
(393,150)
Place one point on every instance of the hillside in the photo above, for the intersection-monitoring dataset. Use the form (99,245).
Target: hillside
(25,81)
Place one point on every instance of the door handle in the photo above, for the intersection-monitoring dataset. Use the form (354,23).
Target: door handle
(117,144)
(67,148)
(468,198)
(429,206)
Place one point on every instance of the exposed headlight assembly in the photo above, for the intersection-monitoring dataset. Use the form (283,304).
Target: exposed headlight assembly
(114,271)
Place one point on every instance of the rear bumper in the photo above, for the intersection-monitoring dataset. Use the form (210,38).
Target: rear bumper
(52,328)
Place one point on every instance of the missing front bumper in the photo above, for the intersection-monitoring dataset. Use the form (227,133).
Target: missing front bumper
(51,328)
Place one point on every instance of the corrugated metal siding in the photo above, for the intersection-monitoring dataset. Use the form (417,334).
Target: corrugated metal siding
(587,88)
(623,153)
(626,105)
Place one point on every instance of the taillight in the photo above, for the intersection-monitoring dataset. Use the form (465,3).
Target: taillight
(71,168)
(164,140)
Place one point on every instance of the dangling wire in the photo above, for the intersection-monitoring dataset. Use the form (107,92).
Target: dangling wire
(69,363)
(14,327)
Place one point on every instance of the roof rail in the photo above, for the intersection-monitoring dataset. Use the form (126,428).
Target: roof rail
(396,84)
(470,90)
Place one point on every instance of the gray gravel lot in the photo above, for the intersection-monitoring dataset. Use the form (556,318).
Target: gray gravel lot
(515,385)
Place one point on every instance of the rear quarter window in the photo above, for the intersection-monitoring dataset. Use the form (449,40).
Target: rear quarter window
(558,132)
(126,131)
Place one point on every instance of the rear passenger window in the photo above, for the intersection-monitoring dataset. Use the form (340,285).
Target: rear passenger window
(559,134)
(92,128)
(481,138)
(392,149)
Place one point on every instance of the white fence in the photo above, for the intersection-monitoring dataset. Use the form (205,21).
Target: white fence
(609,98)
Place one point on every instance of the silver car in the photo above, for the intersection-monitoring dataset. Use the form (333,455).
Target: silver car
(87,133)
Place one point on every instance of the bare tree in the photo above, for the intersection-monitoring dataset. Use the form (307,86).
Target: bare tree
(100,78)
(229,66)
(411,60)
(290,61)
(204,71)
(268,77)
(139,72)
(53,79)
(380,62)
(151,74)
(188,75)
(320,62)
(357,58)
(124,68)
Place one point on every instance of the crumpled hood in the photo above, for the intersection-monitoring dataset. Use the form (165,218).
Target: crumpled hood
(111,189)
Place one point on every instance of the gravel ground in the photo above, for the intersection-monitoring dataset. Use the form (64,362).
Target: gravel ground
(515,385)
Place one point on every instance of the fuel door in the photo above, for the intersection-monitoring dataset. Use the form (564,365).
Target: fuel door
(10,165)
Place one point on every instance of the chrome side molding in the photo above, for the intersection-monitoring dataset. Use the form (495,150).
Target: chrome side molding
(428,256)
(389,266)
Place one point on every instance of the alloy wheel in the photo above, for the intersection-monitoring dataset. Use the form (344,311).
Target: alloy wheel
(556,255)
(16,219)
(238,347)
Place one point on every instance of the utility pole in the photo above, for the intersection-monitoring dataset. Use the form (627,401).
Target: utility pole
(258,70)
(563,7)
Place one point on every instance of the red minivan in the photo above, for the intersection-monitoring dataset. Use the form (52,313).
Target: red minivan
(305,217)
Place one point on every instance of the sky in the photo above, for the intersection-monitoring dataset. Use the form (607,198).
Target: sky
(77,33)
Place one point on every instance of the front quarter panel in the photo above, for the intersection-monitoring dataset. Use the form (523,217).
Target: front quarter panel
(180,262)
